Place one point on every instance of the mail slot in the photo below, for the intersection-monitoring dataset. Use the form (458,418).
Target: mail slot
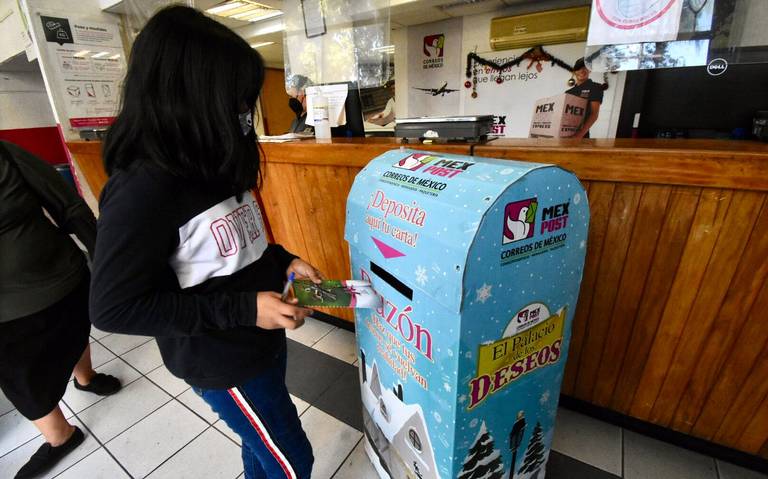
(478,262)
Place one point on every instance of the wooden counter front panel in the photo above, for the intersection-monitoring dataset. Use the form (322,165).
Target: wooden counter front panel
(671,322)
(306,207)
(87,154)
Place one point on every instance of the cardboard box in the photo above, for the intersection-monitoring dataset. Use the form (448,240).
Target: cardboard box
(557,116)
(479,263)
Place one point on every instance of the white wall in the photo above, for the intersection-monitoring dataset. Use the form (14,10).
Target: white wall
(23,101)
(476,37)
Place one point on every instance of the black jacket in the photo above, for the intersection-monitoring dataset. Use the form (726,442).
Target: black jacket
(183,263)
(39,262)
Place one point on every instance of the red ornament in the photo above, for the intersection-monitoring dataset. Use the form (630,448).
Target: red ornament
(467,84)
(499,80)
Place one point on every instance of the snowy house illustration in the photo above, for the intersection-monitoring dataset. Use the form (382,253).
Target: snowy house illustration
(398,442)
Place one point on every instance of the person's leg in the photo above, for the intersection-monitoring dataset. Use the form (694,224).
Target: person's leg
(87,379)
(54,427)
(251,464)
(84,368)
(262,413)
(61,439)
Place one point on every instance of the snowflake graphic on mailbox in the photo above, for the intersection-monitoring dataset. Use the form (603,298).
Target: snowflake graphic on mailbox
(519,220)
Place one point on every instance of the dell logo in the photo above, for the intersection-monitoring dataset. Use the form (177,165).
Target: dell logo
(717,67)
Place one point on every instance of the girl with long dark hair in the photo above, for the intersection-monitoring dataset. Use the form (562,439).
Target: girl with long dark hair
(181,251)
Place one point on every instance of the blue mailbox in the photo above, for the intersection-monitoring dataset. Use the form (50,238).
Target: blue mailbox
(479,263)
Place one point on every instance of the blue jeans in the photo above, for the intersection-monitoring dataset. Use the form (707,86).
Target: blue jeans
(262,413)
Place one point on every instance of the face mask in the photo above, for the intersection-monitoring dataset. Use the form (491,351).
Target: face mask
(295,105)
(246,122)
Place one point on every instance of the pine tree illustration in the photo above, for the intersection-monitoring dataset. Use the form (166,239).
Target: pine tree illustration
(483,460)
(534,454)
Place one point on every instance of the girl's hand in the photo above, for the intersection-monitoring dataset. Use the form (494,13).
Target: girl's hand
(272,313)
(304,270)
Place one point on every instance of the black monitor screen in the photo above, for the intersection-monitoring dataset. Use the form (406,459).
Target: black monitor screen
(354,113)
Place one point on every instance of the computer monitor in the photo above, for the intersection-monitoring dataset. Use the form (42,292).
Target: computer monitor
(353,108)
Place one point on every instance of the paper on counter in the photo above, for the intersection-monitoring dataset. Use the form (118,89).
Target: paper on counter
(336,96)
(285,138)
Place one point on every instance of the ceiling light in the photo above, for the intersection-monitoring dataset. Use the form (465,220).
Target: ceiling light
(258,15)
(100,54)
(115,56)
(246,10)
(219,9)
(81,53)
(261,44)
(385,49)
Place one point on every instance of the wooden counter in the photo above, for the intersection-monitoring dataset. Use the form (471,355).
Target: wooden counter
(672,322)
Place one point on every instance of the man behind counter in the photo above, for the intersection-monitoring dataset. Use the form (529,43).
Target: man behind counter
(589,90)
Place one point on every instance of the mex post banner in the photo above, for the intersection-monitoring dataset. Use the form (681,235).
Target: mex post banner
(514,101)
(435,65)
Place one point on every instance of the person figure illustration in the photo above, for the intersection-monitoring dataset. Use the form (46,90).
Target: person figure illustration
(590,91)
(515,439)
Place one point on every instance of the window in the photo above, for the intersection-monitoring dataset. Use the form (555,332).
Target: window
(413,438)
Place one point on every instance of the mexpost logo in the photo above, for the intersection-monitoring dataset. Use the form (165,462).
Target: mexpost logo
(414,162)
(519,220)
(438,166)
(433,49)
(499,125)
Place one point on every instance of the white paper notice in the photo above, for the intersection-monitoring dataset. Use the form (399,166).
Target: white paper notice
(336,96)
(634,21)
(88,66)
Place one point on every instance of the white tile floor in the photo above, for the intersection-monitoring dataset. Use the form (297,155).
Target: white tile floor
(158,428)
(603,450)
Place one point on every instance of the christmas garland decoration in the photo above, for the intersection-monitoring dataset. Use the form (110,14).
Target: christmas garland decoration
(535,55)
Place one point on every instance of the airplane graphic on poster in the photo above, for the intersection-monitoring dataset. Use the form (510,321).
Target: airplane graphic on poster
(437,91)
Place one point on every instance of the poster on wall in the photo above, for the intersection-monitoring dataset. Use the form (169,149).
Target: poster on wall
(434,68)
(634,21)
(87,64)
(535,99)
